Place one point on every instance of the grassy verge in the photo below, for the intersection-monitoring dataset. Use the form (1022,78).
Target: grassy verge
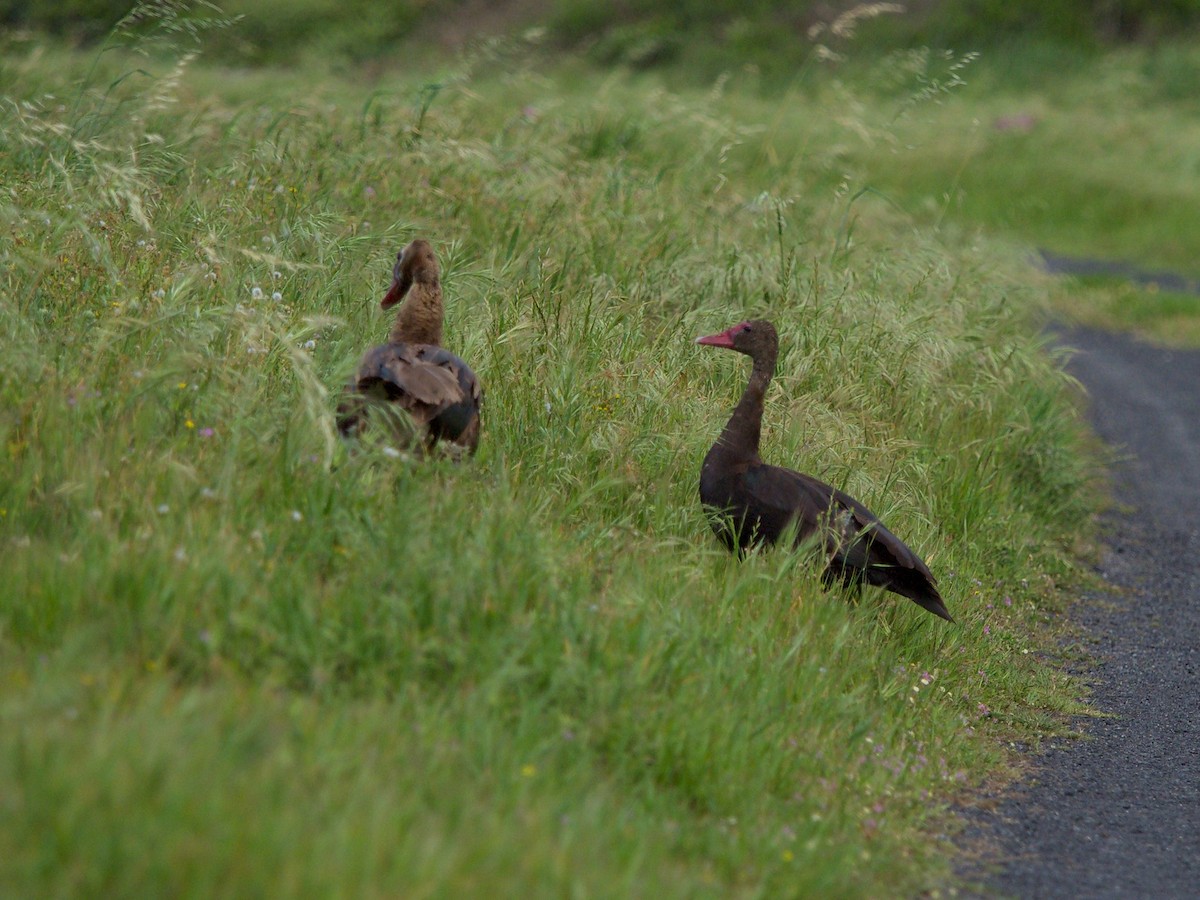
(1096,160)
(233,660)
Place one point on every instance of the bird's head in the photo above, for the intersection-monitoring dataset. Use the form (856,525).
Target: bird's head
(416,262)
(755,338)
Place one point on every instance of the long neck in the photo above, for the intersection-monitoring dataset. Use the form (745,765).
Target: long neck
(740,437)
(419,319)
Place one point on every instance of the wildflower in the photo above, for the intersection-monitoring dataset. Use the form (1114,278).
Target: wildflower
(181,385)
(207,493)
(310,345)
(189,424)
(297,515)
(163,509)
(180,555)
(392,452)
(788,856)
(206,432)
(256,293)
(275,276)
(276,296)
(926,678)
(528,770)
(368,192)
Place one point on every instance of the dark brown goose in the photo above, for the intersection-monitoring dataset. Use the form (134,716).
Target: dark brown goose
(751,502)
(425,393)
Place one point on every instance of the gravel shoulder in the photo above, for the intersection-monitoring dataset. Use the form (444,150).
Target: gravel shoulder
(1117,814)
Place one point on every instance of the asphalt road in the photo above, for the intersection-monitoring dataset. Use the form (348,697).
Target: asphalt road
(1117,814)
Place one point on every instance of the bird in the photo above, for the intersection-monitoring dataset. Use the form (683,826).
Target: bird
(750,502)
(424,393)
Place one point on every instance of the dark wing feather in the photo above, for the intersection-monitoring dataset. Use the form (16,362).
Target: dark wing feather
(435,388)
(859,545)
(457,422)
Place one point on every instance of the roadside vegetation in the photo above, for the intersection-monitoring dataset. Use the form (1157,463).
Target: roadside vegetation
(236,660)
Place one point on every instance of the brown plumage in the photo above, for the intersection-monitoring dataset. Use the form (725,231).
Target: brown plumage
(425,393)
(751,502)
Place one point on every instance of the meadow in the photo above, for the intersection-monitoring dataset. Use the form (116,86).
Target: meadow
(237,660)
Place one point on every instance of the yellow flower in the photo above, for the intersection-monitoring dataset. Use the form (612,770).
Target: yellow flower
(181,385)
(788,856)
(528,770)
(190,424)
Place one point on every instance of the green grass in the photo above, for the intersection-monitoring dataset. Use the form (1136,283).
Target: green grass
(235,660)
(1093,159)
(1104,166)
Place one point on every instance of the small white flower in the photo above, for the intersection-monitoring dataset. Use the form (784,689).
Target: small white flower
(548,406)
(159,294)
(210,276)
(163,509)
(297,515)
(276,296)
(207,493)
(276,275)
(392,452)
(95,515)
(256,293)
(141,243)
(310,345)
(180,555)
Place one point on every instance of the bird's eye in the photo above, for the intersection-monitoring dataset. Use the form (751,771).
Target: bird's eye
(746,328)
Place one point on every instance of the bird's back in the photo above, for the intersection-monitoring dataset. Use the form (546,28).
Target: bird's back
(433,386)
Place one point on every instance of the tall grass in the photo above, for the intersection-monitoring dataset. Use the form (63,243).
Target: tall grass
(235,659)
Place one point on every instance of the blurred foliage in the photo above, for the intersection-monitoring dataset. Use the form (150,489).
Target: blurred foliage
(266,31)
(770,34)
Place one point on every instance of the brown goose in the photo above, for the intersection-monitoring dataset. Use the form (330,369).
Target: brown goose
(751,502)
(427,393)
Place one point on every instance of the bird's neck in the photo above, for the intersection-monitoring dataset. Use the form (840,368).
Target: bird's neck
(739,440)
(419,319)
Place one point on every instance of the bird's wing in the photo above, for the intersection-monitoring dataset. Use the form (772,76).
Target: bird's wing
(457,422)
(853,535)
(420,385)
